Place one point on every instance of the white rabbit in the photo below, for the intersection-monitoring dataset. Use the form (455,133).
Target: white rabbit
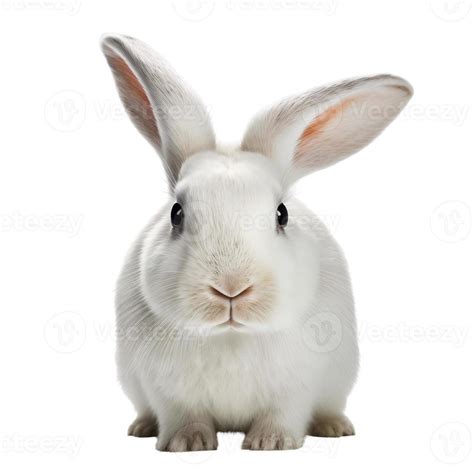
(234,310)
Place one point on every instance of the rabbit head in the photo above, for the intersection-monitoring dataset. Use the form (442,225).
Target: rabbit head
(228,252)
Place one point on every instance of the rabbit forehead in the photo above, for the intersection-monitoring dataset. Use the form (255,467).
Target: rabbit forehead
(236,176)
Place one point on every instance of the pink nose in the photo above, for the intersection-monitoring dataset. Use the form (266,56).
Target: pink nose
(220,293)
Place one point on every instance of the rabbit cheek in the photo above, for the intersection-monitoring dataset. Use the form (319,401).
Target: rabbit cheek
(205,309)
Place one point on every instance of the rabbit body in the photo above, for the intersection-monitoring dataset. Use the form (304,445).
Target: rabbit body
(228,381)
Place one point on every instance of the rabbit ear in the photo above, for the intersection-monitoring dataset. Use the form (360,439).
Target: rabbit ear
(160,105)
(319,128)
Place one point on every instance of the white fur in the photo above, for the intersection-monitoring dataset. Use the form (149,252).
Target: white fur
(265,377)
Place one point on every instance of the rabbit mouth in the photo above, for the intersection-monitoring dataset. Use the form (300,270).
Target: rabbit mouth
(231,324)
(232,304)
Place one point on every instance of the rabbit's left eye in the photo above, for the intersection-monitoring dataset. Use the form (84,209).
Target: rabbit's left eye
(177,215)
(282,215)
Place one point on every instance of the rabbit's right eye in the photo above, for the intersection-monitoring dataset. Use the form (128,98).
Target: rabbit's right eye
(177,215)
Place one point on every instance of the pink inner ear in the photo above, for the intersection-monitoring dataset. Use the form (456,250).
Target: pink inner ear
(316,128)
(134,97)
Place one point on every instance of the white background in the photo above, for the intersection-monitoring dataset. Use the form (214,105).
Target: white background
(77,183)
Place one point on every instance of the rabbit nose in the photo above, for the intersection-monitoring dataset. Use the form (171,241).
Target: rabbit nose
(230,295)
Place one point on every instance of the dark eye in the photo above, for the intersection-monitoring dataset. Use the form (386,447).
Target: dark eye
(282,215)
(177,215)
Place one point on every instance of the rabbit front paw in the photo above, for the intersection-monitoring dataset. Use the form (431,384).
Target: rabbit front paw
(270,442)
(332,426)
(192,437)
(144,426)
(266,435)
